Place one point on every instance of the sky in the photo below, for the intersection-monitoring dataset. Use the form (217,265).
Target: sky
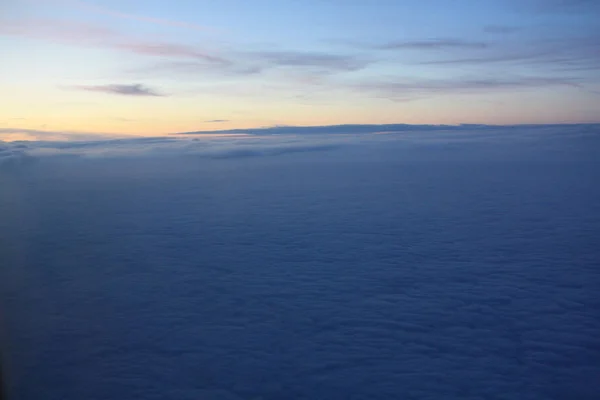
(155,67)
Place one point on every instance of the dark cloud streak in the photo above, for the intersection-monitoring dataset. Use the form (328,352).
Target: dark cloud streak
(135,89)
(578,53)
(500,29)
(332,62)
(566,6)
(433,44)
(411,89)
(258,62)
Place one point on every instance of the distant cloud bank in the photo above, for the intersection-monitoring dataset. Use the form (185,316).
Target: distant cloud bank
(371,129)
(281,140)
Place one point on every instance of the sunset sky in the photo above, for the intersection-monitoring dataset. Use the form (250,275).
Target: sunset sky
(155,67)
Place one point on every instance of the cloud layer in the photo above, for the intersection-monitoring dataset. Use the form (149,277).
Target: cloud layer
(281,140)
(448,264)
(13,155)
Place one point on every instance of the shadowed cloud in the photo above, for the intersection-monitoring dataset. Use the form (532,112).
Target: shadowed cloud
(433,44)
(500,29)
(411,89)
(566,5)
(180,57)
(255,63)
(222,146)
(310,59)
(126,90)
(553,54)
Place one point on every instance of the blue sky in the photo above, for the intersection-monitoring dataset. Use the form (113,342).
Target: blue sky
(154,67)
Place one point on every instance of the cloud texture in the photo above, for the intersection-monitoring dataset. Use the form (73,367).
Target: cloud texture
(455,264)
(281,140)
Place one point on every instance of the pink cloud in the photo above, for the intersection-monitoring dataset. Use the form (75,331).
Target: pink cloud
(159,21)
(83,34)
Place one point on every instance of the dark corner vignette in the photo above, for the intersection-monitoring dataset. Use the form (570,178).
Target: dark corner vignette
(2,383)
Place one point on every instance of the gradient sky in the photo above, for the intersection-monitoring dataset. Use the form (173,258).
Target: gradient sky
(155,67)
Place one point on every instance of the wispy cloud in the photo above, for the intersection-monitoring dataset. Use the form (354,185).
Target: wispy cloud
(13,134)
(135,89)
(566,5)
(84,34)
(298,73)
(290,65)
(500,57)
(181,57)
(216,120)
(500,29)
(167,50)
(411,89)
(551,54)
(159,21)
(176,69)
(68,32)
(309,59)
(432,44)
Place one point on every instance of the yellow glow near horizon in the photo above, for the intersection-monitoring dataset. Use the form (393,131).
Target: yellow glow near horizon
(148,70)
(69,109)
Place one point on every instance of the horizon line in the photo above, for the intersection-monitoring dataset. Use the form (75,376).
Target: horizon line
(364,128)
